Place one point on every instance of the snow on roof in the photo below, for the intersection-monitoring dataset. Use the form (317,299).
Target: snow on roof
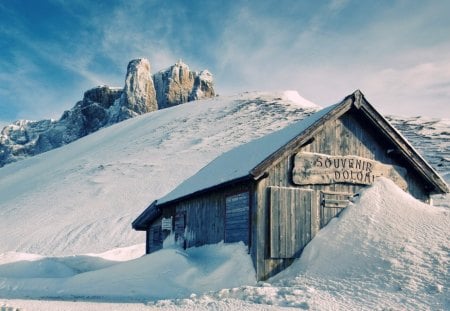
(238,162)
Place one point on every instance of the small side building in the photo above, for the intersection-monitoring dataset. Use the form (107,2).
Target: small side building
(275,193)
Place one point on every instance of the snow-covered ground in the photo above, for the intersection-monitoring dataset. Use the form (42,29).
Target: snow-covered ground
(65,218)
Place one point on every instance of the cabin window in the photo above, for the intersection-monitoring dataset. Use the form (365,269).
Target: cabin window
(237,218)
(290,221)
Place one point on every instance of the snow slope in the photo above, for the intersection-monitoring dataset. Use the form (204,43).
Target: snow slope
(72,207)
(83,197)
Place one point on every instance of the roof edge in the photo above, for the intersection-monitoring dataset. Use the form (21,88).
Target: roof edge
(148,215)
(247,177)
(407,150)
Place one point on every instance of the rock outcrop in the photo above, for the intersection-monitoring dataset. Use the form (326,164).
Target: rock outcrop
(178,85)
(104,105)
(139,95)
(203,86)
(93,112)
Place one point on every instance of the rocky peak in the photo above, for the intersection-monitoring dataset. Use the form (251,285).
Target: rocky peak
(178,84)
(103,94)
(139,93)
(103,105)
(203,86)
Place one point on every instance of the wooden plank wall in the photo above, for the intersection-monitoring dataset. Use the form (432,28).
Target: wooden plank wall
(180,228)
(290,221)
(205,215)
(344,136)
(154,237)
(237,218)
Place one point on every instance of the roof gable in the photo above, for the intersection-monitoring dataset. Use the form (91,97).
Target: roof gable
(404,148)
(252,159)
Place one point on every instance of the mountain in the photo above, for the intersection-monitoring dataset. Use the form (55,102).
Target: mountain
(103,106)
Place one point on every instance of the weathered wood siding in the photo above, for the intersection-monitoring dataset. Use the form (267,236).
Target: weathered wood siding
(154,237)
(180,228)
(201,220)
(237,215)
(347,135)
(290,221)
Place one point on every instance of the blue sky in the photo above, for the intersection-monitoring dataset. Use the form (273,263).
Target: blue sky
(396,52)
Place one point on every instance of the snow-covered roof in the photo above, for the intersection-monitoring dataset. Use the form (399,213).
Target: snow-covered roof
(238,162)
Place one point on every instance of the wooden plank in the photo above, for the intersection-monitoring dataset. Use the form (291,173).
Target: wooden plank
(274,223)
(261,228)
(348,194)
(287,222)
(299,219)
(336,201)
(315,213)
(334,206)
(303,228)
(234,217)
(236,221)
(284,224)
(292,220)
(237,218)
(308,207)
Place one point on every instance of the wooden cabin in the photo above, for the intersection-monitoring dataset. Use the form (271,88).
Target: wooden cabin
(275,193)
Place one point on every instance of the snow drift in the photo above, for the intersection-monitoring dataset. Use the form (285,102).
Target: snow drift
(168,273)
(385,251)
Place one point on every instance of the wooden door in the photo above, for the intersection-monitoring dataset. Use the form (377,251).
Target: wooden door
(237,218)
(292,219)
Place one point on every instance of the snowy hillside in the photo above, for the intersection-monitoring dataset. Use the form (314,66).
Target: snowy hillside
(83,197)
(61,210)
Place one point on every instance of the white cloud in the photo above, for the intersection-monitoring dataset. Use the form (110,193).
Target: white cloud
(390,54)
(381,56)
(422,89)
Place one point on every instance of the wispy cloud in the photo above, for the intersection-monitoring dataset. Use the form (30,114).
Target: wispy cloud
(396,53)
(392,54)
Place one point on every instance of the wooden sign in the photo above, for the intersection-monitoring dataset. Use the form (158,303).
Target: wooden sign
(316,168)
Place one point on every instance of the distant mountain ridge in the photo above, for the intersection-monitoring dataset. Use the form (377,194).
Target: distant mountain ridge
(103,106)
